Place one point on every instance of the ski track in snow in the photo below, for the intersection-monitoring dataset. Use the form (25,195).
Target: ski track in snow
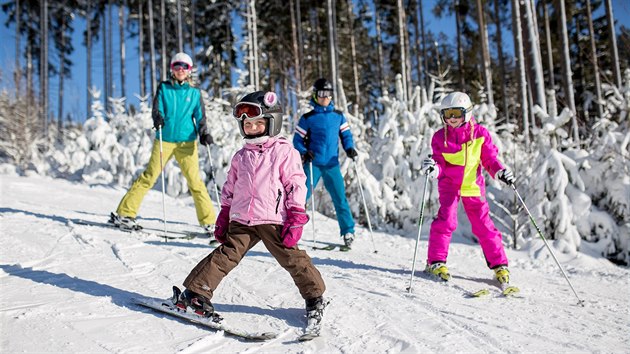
(79,280)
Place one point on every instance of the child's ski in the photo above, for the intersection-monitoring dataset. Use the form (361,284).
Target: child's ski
(171,235)
(167,307)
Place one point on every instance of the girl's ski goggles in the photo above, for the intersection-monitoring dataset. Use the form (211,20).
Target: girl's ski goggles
(180,66)
(324,94)
(247,110)
(454,112)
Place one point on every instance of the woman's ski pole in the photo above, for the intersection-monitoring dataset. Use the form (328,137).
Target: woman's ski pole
(415,252)
(367,212)
(531,218)
(212,176)
(163,192)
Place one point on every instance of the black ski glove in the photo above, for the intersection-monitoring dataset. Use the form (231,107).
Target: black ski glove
(506,176)
(158,121)
(308,156)
(206,139)
(352,153)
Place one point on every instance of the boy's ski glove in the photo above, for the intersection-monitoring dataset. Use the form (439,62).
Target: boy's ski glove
(352,153)
(506,176)
(308,157)
(158,121)
(206,139)
(221,226)
(292,230)
(430,168)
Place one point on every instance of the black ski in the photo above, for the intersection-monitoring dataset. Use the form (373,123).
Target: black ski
(332,247)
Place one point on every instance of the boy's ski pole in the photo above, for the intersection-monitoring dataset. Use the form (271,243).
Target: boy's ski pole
(310,167)
(531,218)
(163,192)
(367,212)
(415,252)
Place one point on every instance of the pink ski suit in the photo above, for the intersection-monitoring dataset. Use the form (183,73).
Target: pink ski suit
(460,152)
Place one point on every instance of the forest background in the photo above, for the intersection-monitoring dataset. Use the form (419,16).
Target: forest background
(557,99)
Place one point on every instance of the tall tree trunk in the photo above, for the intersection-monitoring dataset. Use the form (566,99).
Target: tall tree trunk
(552,81)
(379,52)
(355,66)
(62,58)
(192,29)
(460,49)
(255,44)
(143,88)
(502,71)
(540,98)
(152,48)
(613,44)
(88,48)
(318,34)
(332,46)
(424,45)
(110,52)
(298,18)
(163,56)
(18,67)
(485,52)
(106,92)
(121,32)
(44,64)
(401,44)
(520,57)
(180,33)
(294,42)
(419,57)
(598,85)
(567,72)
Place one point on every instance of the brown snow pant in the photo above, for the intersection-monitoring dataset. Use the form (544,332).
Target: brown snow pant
(206,276)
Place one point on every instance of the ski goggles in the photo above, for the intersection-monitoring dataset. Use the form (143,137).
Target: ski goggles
(247,110)
(324,94)
(180,66)
(454,112)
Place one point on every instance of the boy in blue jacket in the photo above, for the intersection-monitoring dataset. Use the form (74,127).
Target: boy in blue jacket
(317,138)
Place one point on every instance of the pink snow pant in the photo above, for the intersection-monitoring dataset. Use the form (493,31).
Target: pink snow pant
(483,228)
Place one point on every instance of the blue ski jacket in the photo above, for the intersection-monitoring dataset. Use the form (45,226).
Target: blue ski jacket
(319,131)
(183,111)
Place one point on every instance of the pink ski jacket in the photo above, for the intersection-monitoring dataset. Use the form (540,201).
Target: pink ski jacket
(460,152)
(263,182)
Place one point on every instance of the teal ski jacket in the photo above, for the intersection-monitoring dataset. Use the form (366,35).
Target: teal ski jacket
(181,106)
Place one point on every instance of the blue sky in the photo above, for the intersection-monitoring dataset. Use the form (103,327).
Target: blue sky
(75,100)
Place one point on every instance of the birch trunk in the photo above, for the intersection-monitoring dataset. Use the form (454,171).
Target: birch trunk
(401,43)
(121,32)
(332,48)
(520,57)
(598,85)
(567,72)
(485,51)
(613,44)
(535,56)
(152,48)
(355,68)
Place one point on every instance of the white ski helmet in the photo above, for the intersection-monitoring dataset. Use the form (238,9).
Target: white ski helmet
(457,100)
(182,58)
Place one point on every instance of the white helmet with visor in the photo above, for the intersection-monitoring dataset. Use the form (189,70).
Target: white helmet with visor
(455,105)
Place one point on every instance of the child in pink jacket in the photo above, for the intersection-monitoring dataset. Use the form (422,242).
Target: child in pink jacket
(264,200)
(460,149)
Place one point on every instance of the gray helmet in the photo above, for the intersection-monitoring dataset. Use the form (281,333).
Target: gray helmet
(259,104)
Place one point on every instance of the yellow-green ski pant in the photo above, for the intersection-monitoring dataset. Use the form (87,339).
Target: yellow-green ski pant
(188,159)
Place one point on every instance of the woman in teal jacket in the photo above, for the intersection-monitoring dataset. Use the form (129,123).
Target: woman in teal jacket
(178,110)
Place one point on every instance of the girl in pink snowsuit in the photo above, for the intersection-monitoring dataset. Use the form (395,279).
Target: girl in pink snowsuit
(460,149)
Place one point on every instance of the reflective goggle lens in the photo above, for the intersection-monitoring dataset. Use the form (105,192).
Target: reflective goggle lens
(180,66)
(324,94)
(453,113)
(247,110)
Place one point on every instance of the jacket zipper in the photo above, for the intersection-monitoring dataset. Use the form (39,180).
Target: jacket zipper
(278,200)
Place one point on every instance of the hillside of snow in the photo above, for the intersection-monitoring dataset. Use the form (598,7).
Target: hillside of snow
(67,287)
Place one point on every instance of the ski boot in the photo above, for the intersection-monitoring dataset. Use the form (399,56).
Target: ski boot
(124,222)
(314,314)
(502,274)
(197,303)
(348,239)
(438,270)
(209,230)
